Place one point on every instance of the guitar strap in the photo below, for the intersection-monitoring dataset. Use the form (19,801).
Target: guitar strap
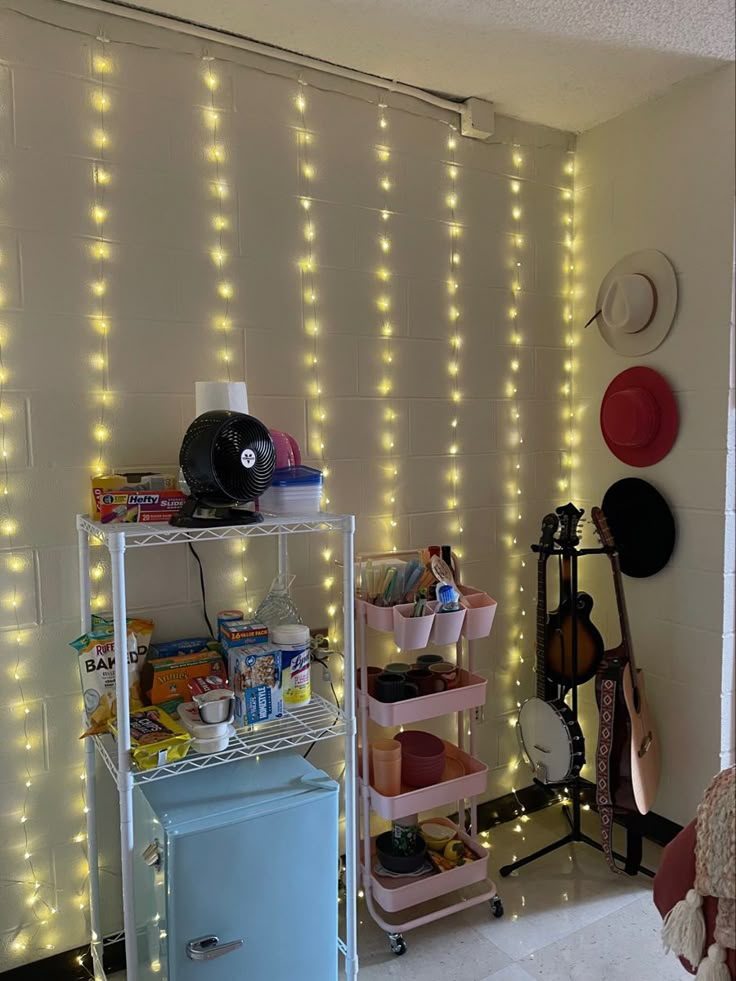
(610,679)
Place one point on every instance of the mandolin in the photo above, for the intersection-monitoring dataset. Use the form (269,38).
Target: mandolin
(628,760)
(550,736)
(559,625)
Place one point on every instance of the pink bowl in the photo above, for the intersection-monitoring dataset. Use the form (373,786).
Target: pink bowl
(422,758)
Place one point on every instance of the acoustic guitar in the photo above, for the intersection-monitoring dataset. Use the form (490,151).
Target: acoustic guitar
(559,626)
(628,758)
(549,734)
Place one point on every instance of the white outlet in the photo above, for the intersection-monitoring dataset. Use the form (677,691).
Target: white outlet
(479,714)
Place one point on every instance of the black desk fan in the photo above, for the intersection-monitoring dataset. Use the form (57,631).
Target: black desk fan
(227,459)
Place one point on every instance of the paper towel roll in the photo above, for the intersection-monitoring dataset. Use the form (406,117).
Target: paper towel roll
(220,395)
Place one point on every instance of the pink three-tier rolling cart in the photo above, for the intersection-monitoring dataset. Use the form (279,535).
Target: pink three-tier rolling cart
(402,904)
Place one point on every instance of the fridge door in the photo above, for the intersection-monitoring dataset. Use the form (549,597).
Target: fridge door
(256,899)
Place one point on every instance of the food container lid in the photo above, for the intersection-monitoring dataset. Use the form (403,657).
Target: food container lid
(289,476)
(192,722)
(290,633)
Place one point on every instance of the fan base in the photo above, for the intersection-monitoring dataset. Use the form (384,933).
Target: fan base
(196,514)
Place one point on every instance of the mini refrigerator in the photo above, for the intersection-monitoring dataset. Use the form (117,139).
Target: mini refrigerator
(236,873)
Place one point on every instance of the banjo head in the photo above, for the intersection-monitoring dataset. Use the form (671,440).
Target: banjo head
(547,741)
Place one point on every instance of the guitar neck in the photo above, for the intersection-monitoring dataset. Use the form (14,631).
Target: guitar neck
(623,614)
(541,625)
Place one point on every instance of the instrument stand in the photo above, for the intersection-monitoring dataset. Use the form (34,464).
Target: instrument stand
(572,812)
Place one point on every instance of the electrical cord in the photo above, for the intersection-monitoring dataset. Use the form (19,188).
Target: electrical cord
(325,664)
(202,587)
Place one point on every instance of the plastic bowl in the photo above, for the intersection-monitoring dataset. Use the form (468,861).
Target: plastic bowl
(416,743)
(437,832)
(401,864)
(422,758)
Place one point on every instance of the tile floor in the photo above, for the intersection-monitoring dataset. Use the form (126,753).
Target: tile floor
(567,918)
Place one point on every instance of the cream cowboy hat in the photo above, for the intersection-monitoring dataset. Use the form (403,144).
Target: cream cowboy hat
(636,303)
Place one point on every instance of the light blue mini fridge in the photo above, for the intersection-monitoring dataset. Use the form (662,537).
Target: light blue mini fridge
(236,873)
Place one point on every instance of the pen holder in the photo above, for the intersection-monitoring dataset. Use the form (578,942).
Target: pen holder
(411,633)
(379,617)
(481,610)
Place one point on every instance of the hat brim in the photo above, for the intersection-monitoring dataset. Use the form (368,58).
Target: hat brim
(642,525)
(658,268)
(664,440)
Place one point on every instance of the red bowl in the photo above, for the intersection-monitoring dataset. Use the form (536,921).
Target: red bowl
(422,746)
(422,778)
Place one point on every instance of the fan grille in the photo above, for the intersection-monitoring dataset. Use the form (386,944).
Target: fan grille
(227,456)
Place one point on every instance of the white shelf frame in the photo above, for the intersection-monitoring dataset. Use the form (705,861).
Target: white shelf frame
(314,723)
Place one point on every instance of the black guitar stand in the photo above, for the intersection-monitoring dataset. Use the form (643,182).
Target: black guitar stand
(573,787)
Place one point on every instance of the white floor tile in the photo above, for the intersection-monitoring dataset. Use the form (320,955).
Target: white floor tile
(620,947)
(511,973)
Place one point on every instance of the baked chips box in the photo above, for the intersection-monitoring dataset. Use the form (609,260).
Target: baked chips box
(255,677)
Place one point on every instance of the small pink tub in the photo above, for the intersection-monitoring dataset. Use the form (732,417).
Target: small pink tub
(465,776)
(411,633)
(479,615)
(393,895)
(447,626)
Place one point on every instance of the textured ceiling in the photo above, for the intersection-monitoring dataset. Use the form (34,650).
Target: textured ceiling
(566,63)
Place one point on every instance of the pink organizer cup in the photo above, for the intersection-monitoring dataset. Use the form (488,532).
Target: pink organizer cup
(481,610)
(380,617)
(411,633)
(447,627)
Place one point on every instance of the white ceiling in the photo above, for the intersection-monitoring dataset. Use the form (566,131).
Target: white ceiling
(566,63)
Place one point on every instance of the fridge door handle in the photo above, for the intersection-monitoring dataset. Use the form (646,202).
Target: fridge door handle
(207,948)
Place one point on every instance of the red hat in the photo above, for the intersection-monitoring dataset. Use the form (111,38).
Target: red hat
(639,418)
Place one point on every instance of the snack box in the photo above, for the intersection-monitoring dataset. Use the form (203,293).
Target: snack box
(142,481)
(255,677)
(164,679)
(137,506)
(242,633)
(155,738)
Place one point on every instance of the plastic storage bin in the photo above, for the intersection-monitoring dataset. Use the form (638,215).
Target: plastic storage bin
(411,633)
(479,615)
(294,490)
(447,626)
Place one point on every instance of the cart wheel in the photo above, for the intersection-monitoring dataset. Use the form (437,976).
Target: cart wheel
(496,908)
(398,944)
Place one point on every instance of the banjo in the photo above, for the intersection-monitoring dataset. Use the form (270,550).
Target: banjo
(549,734)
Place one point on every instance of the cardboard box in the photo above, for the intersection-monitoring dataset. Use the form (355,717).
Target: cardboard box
(242,633)
(142,481)
(255,677)
(126,506)
(165,679)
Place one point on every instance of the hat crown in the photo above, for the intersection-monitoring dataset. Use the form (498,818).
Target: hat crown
(629,303)
(631,417)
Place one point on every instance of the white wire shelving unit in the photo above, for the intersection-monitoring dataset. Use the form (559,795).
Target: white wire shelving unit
(318,721)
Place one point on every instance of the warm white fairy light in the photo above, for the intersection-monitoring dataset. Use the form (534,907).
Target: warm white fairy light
(517,640)
(220,247)
(100,250)
(384,303)
(569,411)
(312,325)
(454,356)
(36,908)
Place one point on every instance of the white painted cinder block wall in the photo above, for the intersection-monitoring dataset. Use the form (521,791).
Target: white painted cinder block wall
(160,302)
(661,176)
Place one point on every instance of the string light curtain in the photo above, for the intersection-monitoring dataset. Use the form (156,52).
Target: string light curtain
(569,455)
(516,549)
(308,267)
(384,305)
(454,446)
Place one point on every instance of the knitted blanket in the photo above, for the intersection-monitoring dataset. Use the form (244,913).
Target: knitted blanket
(684,930)
(715,852)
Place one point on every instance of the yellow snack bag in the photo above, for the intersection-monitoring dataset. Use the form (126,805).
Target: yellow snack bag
(96,657)
(155,738)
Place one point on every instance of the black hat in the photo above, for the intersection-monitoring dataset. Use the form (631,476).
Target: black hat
(642,526)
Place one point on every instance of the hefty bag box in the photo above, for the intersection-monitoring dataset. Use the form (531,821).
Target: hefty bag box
(142,481)
(137,506)
(242,633)
(165,679)
(255,677)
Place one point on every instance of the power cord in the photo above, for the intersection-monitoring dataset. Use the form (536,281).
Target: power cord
(326,667)
(202,587)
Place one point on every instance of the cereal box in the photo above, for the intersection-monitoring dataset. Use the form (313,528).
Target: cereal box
(255,677)
(165,678)
(242,633)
